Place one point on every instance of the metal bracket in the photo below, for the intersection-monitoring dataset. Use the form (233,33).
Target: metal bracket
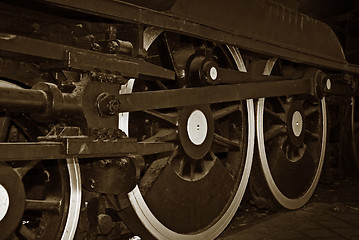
(80,59)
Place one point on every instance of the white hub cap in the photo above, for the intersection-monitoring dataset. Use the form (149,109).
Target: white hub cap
(328,84)
(4,202)
(297,123)
(197,127)
(213,73)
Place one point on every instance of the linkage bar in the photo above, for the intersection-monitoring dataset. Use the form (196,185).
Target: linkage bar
(140,101)
(80,148)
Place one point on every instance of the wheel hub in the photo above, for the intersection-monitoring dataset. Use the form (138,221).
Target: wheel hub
(296,124)
(213,73)
(4,202)
(197,127)
(12,200)
(196,130)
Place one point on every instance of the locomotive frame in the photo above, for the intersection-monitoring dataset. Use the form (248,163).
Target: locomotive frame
(152,110)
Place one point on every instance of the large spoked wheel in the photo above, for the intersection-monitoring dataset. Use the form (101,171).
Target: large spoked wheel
(291,134)
(38,199)
(194,191)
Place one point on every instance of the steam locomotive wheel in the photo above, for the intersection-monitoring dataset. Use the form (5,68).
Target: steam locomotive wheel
(194,191)
(291,135)
(38,199)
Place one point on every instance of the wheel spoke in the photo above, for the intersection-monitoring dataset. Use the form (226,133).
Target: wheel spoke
(288,150)
(161,85)
(226,111)
(27,233)
(313,136)
(274,131)
(285,106)
(23,170)
(4,127)
(203,166)
(280,116)
(225,141)
(192,174)
(213,156)
(182,165)
(163,135)
(169,117)
(170,54)
(175,57)
(311,110)
(186,167)
(43,205)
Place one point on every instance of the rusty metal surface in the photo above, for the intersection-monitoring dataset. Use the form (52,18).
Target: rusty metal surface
(261,26)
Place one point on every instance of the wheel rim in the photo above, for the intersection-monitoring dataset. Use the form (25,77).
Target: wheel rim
(162,227)
(75,198)
(51,198)
(291,148)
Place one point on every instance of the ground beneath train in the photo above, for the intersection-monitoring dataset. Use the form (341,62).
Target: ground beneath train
(332,213)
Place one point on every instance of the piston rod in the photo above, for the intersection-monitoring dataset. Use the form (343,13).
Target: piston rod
(44,99)
(22,100)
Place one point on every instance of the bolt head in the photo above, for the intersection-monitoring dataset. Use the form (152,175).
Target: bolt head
(104,223)
(122,162)
(114,106)
(92,183)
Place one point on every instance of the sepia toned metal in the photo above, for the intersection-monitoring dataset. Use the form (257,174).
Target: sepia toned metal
(80,59)
(81,148)
(142,113)
(307,40)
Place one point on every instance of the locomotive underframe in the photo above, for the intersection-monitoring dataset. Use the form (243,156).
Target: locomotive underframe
(240,86)
(48,101)
(89,83)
